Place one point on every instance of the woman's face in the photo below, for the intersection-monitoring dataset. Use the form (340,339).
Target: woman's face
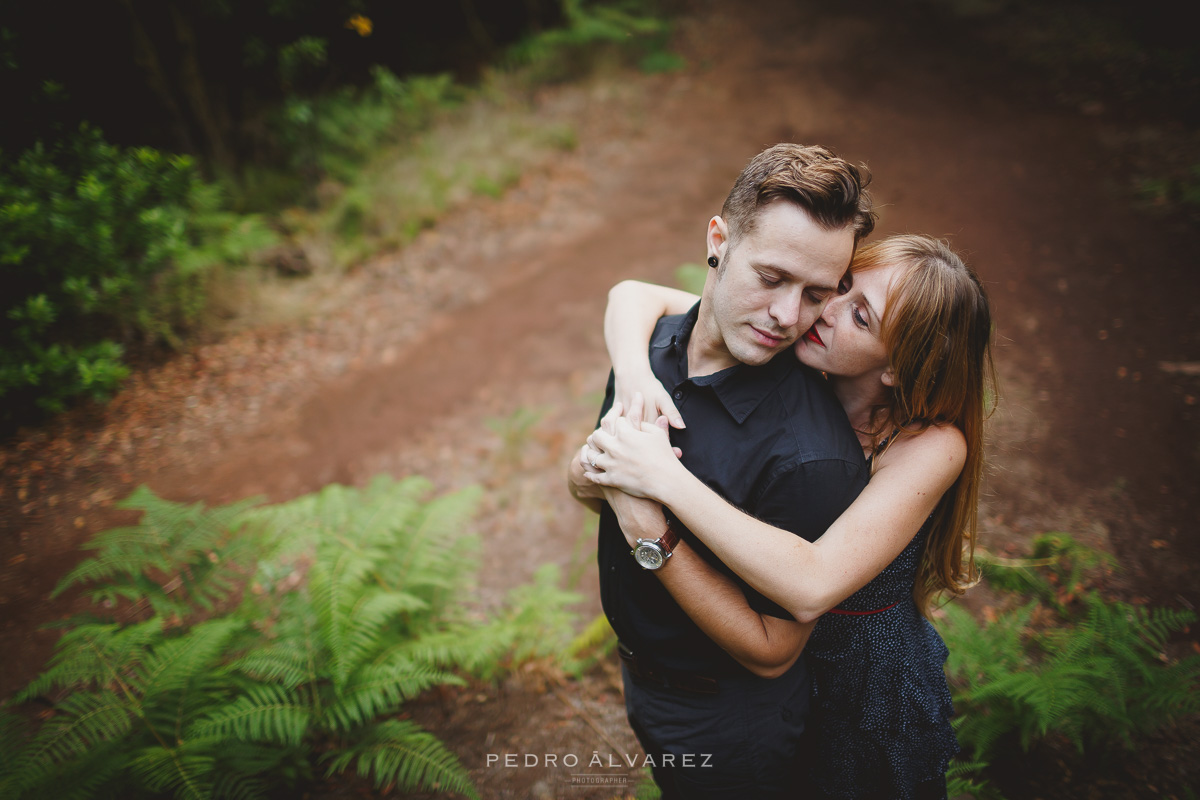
(845,340)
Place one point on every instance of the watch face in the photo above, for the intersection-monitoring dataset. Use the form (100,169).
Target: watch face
(648,556)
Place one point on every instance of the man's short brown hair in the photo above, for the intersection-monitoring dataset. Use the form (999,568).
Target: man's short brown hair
(833,191)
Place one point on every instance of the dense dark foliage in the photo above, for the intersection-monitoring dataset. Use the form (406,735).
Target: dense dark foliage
(197,77)
(107,239)
(100,247)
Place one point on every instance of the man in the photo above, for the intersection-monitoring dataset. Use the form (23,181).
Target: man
(767,435)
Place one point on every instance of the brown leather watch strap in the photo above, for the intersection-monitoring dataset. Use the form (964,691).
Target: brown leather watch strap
(669,538)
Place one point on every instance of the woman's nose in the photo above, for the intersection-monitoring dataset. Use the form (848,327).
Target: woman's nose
(831,309)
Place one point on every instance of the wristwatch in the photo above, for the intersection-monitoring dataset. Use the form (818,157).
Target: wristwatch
(653,553)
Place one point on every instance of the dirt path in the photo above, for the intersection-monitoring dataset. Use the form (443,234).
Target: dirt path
(498,311)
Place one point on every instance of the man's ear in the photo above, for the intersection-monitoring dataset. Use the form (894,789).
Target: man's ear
(718,238)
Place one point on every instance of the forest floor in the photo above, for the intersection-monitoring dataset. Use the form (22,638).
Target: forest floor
(437,358)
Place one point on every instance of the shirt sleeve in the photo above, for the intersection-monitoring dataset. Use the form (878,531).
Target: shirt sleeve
(805,498)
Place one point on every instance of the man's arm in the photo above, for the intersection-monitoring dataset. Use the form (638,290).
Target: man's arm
(587,493)
(764,644)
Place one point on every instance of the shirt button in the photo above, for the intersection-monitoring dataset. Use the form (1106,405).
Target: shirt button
(678,394)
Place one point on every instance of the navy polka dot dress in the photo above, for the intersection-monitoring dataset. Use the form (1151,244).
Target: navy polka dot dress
(881,707)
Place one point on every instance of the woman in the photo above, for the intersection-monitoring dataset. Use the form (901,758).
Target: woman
(906,349)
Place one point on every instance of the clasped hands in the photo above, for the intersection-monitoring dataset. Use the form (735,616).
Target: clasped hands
(628,459)
(628,453)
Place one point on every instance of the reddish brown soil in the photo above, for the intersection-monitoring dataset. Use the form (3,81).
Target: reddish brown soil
(498,309)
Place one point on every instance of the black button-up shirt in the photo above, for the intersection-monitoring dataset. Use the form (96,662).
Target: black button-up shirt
(773,441)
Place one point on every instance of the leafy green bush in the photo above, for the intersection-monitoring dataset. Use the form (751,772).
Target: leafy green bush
(332,135)
(100,246)
(244,679)
(565,53)
(1067,664)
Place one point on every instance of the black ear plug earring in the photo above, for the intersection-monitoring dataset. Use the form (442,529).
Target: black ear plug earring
(712,262)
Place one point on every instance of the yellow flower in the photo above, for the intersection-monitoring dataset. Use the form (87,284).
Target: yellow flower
(360,24)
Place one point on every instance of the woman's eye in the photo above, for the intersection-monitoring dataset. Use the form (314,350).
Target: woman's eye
(858,317)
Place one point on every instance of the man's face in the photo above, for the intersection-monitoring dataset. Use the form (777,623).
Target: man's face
(772,283)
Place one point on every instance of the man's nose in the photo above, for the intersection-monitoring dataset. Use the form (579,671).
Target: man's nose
(786,311)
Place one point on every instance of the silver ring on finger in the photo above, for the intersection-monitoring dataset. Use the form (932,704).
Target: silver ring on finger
(592,459)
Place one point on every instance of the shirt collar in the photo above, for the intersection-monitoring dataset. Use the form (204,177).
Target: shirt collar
(740,388)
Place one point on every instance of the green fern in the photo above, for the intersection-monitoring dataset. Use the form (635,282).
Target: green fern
(236,705)
(1096,675)
(174,559)
(379,689)
(259,714)
(596,642)
(1055,571)
(399,752)
(965,779)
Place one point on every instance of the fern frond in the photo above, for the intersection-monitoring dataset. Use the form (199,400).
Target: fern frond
(400,752)
(979,651)
(594,643)
(432,551)
(297,526)
(261,714)
(380,689)
(12,742)
(965,779)
(96,773)
(468,647)
(539,614)
(285,663)
(368,621)
(172,540)
(386,508)
(186,771)
(83,721)
(93,654)
(597,635)
(335,584)
(239,786)
(177,661)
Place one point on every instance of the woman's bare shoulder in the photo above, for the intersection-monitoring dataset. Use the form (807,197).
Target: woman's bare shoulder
(939,450)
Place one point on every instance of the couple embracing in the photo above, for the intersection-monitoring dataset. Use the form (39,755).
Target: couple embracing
(787,473)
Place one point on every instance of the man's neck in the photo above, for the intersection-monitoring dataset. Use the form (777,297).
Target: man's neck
(706,350)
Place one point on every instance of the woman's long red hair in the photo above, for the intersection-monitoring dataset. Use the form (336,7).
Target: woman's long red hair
(937,329)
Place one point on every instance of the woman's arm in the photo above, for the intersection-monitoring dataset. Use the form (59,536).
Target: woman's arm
(765,645)
(806,578)
(633,310)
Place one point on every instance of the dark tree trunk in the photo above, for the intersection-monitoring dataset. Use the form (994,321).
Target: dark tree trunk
(212,121)
(146,56)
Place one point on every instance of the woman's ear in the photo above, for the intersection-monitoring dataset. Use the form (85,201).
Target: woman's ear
(888,377)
